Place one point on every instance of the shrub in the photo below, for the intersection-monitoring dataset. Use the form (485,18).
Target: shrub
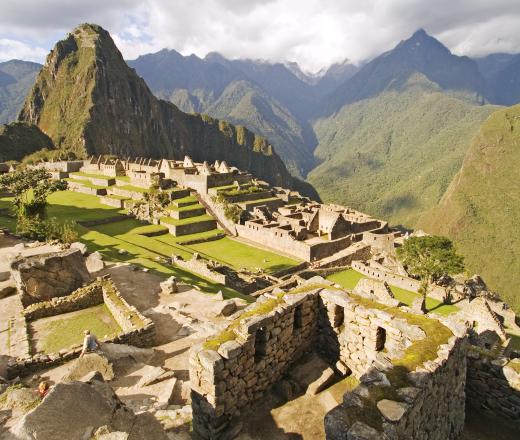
(34,228)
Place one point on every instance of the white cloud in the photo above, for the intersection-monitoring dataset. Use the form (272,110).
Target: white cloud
(12,49)
(313,32)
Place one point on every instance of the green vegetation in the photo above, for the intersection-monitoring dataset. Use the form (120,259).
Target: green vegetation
(349,278)
(395,154)
(186,221)
(67,331)
(481,209)
(430,257)
(19,139)
(240,255)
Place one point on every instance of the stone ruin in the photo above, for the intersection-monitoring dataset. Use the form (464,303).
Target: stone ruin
(43,277)
(357,337)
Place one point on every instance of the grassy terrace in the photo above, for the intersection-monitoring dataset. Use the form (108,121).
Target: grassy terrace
(348,279)
(239,255)
(186,221)
(133,188)
(91,175)
(185,208)
(67,330)
(256,202)
(85,183)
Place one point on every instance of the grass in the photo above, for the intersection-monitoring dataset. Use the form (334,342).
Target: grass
(171,239)
(186,208)
(349,278)
(132,188)
(67,332)
(239,255)
(86,184)
(92,175)
(186,221)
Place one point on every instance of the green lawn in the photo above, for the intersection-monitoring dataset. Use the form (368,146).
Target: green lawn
(171,239)
(186,221)
(132,188)
(66,332)
(349,279)
(185,208)
(86,184)
(70,205)
(240,255)
(95,176)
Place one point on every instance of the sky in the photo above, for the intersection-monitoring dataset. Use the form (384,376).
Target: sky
(314,33)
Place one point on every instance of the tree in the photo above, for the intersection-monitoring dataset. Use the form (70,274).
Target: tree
(30,189)
(429,258)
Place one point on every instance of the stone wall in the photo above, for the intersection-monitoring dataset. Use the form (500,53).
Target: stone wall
(493,384)
(358,335)
(290,246)
(429,405)
(84,297)
(201,267)
(138,330)
(134,195)
(191,228)
(112,201)
(425,400)
(45,276)
(390,278)
(229,376)
(78,187)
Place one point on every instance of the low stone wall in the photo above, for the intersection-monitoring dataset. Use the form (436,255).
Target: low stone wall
(431,406)
(179,215)
(203,240)
(390,278)
(217,211)
(261,349)
(191,228)
(201,267)
(493,384)
(110,201)
(84,297)
(134,195)
(138,330)
(78,187)
(104,221)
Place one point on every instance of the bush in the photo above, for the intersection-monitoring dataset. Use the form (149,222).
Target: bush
(35,228)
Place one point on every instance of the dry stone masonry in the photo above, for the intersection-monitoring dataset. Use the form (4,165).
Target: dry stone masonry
(356,336)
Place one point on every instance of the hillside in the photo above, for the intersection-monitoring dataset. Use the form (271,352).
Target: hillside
(88,101)
(16,79)
(18,140)
(481,208)
(268,99)
(394,155)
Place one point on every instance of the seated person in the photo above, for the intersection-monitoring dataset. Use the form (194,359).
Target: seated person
(90,343)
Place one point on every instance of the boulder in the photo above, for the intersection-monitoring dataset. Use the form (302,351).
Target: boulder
(391,410)
(76,410)
(82,247)
(95,262)
(154,375)
(46,276)
(327,378)
(169,286)
(226,308)
(87,364)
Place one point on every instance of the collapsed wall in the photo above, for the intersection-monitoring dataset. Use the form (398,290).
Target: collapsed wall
(412,369)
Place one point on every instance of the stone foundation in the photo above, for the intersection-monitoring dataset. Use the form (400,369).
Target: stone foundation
(494,384)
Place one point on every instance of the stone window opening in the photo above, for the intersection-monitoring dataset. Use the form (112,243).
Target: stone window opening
(297,322)
(260,343)
(380,338)
(339,316)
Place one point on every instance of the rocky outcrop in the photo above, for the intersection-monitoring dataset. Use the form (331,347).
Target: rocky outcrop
(74,410)
(89,101)
(46,276)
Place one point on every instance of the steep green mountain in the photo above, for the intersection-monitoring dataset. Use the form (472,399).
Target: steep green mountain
(395,154)
(251,93)
(19,139)
(481,208)
(88,101)
(16,79)
(421,53)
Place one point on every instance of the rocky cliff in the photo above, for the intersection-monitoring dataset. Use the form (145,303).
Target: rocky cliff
(88,101)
